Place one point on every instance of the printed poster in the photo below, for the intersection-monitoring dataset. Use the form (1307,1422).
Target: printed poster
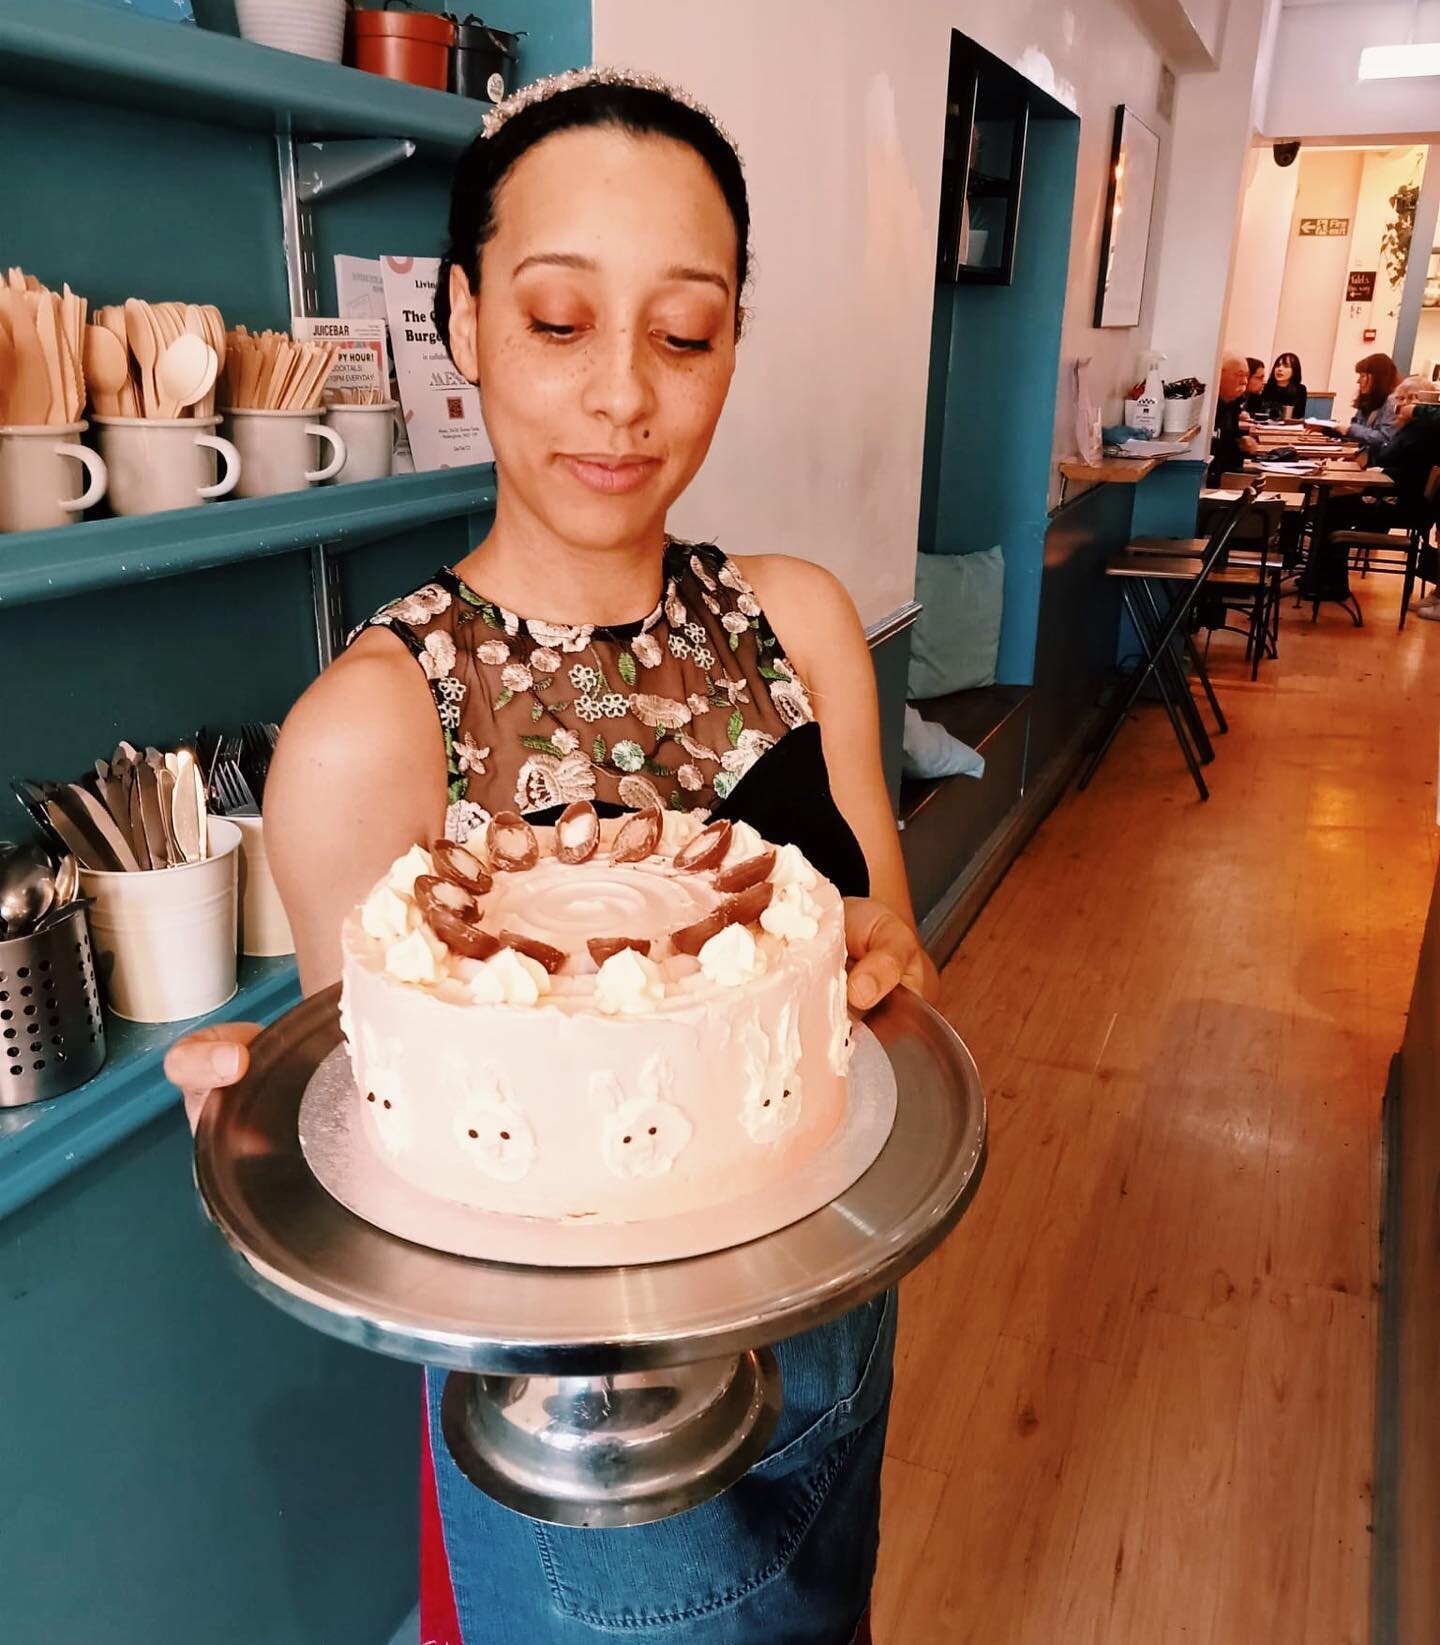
(361,363)
(442,410)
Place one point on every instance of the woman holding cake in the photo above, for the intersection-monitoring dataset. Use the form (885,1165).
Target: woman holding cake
(593,290)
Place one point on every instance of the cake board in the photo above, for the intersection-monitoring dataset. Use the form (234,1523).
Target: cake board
(573,1408)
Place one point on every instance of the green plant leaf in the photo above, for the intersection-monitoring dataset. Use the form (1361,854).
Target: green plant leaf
(542,745)
(657,770)
(768,673)
(492,617)
(734,642)
(599,753)
(678,802)
(626,664)
(735,727)
(503,698)
(536,710)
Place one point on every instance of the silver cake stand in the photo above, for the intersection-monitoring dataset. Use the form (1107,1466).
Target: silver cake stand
(590,1396)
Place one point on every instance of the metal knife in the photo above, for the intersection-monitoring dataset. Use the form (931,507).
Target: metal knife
(152,818)
(102,823)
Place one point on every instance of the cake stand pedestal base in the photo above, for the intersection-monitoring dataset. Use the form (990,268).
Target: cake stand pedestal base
(612,1450)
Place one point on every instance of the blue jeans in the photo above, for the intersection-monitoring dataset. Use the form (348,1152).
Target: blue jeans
(786,1557)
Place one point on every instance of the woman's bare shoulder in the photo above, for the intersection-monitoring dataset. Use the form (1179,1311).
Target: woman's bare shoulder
(809,608)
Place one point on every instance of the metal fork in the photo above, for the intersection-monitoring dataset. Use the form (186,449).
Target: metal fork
(232,791)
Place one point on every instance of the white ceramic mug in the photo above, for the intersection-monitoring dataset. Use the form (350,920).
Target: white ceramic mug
(264,929)
(369,435)
(157,464)
(35,484)
(165,937)
(278,448)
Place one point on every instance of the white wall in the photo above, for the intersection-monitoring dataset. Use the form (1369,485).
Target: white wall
(1313,88)
(1383,173)
(1315,268)
(1253,308)
(838,108)
(1211,143)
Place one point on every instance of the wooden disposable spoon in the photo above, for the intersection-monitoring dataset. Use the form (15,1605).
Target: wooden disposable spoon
(185,373)
(7,367)
(144,345)
(107,368)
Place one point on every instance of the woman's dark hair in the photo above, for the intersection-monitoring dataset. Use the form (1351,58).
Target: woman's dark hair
(640,110)
(1254,364)
(1290,393)
(1384,375)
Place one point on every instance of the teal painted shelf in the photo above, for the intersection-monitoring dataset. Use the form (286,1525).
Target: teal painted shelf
(95,554)
(43,1144)
(106,54)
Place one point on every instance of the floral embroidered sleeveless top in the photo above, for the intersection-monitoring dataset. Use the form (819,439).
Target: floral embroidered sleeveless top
(671,711)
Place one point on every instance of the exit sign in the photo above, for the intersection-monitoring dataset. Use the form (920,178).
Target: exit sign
(1324,225)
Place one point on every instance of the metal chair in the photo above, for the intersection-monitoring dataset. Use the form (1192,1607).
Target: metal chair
(1164,636)
(1397,550)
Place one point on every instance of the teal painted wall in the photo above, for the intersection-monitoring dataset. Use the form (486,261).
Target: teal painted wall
(183,1464)
(989,431)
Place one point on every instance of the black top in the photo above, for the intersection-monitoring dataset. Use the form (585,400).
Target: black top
(1226,453)
(1276,399)
(1408,459)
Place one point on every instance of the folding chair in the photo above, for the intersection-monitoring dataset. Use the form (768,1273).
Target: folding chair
(1141,572)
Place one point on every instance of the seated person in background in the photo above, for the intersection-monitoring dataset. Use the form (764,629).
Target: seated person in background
(1284,394)
(1255,388)
(1376,382)
(1407,458)
(1230,445)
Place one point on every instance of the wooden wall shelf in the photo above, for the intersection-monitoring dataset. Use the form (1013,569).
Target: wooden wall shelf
(73,47)
(78,559)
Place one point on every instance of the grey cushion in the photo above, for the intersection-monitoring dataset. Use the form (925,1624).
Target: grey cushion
(956,637)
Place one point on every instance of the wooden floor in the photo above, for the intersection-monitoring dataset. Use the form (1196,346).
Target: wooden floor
(1135,1392)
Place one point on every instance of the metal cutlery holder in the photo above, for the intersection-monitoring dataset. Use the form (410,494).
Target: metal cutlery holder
(52,1034)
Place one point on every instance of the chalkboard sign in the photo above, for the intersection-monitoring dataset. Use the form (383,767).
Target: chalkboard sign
(1360,287)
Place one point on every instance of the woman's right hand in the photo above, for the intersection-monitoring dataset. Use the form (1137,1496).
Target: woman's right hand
(208,1060)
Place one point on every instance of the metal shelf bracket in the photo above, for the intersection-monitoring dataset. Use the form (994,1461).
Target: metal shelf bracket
(311,172)
(326,169)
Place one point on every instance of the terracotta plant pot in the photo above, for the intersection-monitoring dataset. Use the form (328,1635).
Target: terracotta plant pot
(403,45)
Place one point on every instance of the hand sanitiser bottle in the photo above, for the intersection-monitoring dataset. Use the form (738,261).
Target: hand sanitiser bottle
(1150,407)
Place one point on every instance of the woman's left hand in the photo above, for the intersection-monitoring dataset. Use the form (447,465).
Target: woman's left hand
(886,953)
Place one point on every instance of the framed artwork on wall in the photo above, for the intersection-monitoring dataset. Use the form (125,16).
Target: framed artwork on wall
(1125,243)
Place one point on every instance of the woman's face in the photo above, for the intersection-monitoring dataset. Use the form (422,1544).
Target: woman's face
(1362,382)
(1257,380)
(1282,373)
(603,333)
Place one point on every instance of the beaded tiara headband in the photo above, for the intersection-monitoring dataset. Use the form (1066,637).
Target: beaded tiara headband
(540,91)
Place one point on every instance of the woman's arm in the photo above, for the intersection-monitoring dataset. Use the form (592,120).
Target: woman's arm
(817,625)
(1382,430)
(357,779)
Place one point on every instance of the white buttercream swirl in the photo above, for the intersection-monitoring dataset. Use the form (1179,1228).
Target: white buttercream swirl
(628,984)
(385,915)
(731,958)
(414,957)
(404,871)
(745,843)
(791,868)
(793,914)
(507,978)
(677,829)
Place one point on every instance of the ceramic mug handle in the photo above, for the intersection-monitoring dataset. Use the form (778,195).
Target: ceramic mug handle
(231,458)
(337,445)
(97,475)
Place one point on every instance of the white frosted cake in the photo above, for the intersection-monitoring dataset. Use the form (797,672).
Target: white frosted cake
(615,1020)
